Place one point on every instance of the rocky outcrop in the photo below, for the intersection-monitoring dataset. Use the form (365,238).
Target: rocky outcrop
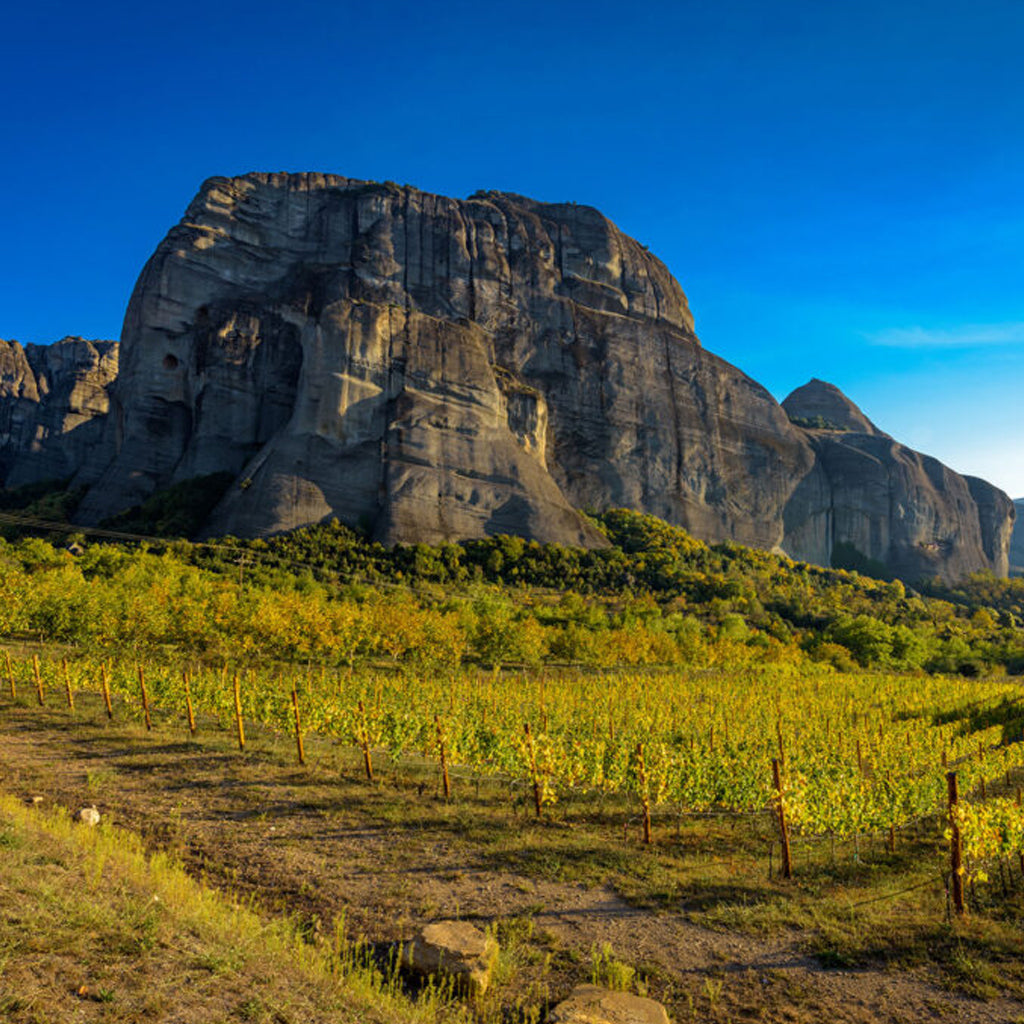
(431,368)
(888,503)
(823,404)
(54,400)
(1017,541)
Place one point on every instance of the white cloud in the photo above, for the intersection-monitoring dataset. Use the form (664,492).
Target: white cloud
(964,336)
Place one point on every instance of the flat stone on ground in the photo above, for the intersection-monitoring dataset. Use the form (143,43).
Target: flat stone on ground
(590,1004)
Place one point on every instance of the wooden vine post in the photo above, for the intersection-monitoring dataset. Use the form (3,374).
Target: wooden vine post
(298,726)
(105,685)
(645,800)
(39,679)
(239,725)
(189,710)
(444,759)
(1020,855)
(145,697)
(787,862)
(10,674)
(67,684)
(364,742)
(892,825)
(955,846)
(538,793)
(543,702)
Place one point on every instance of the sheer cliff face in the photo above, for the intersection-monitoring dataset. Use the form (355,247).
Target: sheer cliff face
(432,368)
(1017,540)
(53,405)
(894,505)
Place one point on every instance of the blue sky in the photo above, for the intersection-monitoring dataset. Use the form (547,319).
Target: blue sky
(838,187)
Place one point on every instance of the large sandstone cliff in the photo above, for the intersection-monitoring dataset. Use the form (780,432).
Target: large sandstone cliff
(434,368)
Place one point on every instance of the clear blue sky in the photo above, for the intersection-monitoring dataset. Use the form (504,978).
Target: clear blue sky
(837,186)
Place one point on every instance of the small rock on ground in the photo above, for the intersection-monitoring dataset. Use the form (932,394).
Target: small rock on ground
(590,1004)
(455,948)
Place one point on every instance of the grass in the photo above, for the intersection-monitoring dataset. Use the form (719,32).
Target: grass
(97,929)
(609,972)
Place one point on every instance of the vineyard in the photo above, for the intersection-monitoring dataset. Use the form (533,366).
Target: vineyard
(738,747)
(855,755)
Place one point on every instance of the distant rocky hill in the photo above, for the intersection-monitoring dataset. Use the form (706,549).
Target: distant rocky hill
(431,368)
(892,505)
(54,400)
(1017,541)
(821,405)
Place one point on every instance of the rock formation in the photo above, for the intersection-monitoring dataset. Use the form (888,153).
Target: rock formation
(1017,541)
(889,503)
(53,405)
(432,368)
(820,401)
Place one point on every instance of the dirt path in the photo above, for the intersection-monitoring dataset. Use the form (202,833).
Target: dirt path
(307,844)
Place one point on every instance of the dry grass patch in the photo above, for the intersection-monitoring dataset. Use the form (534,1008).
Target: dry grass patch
(94,929)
